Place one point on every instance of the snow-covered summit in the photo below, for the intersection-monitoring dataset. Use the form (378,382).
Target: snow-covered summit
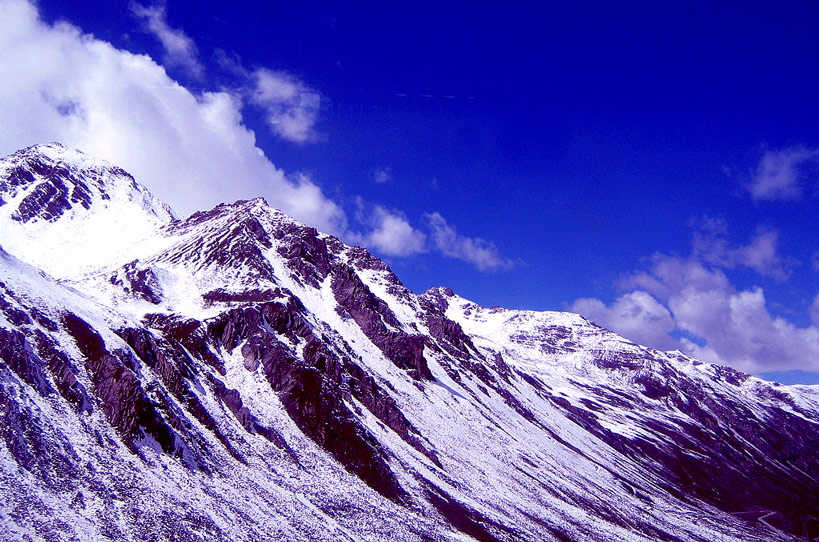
(66,212)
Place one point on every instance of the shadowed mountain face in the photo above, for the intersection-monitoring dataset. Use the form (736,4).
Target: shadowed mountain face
(237,375)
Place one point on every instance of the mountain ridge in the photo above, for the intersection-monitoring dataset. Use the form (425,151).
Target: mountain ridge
(249,358)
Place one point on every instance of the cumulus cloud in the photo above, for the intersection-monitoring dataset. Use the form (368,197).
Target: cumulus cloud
(667,275)
(192,150)
(779,174)
(391,232)
(636,315)
(479,252)
(741,332)
(180,50)
(290,106)
(732,327)
(692,297)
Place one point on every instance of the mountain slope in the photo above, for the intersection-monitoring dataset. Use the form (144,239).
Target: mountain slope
(239,375)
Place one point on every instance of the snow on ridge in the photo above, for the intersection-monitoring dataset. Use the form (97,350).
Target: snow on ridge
(103,179)
(68,213)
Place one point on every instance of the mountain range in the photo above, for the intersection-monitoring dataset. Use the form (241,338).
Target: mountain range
(237,375)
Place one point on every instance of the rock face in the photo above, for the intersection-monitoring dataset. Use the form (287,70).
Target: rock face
(237,375)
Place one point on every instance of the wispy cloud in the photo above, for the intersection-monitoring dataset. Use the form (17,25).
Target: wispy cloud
(761,253)
(392,234)
(291,107)
(780,174)
(382,175)
(814,260)
(481,253)
(180,50)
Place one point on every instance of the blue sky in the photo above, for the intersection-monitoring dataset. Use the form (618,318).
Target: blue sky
(653,166)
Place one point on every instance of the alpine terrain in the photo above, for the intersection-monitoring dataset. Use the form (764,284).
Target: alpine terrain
(236,375)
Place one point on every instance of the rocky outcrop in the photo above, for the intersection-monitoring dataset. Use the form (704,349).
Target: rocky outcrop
(64,372)
(308,388)
(18,354)
(378,322)
(175,370)
(142,283)
(305,252)
(123,400)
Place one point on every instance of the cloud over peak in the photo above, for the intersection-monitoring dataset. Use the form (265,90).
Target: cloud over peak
(192,149)
(636,315)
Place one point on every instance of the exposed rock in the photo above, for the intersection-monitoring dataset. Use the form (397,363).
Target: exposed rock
(124,402)
(64,373)
(16,352)
(308,389)
(378,322)
(140,282)
(305,251)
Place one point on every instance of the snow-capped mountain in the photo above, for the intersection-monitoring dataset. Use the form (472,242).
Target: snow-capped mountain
(237,375)
(60,207)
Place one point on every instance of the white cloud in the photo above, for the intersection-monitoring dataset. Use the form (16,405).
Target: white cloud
(191,150)
(814,311)
(667,275)
(483,254)
(761,256)
(636,315)
(382,175)
(392,234)
(290,106)
(739,331)
(779,174)
(736,327)
(711,246)
(693,295)
(180,50)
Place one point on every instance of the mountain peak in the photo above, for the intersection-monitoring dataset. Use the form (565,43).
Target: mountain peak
(78,208)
